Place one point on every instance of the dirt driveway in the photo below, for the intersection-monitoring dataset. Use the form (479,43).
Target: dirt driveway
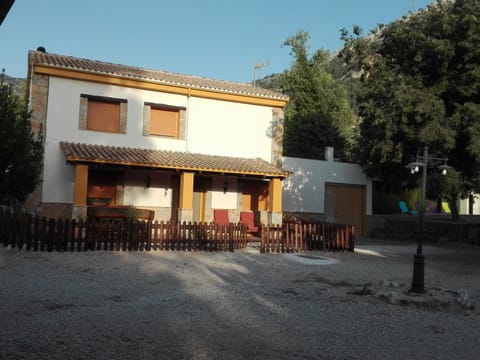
(242,305)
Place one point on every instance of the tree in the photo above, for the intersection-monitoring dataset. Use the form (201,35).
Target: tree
(318,113)
(419,86)
(21,153)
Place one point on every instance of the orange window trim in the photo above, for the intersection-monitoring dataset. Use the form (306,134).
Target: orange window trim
(164,122)
(103,116)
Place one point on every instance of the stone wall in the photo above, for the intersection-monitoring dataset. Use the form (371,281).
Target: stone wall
(435,228)
(39,105)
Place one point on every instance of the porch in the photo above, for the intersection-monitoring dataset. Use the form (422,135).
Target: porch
(178,186)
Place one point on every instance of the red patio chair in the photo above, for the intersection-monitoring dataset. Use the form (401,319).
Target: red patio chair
(247,218)
(220,216)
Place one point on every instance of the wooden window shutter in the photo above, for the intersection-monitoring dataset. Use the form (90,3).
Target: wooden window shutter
(164,122)
(103,116)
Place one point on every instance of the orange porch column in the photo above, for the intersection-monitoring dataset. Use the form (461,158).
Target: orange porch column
(80,186)
(275,195)
(186,190)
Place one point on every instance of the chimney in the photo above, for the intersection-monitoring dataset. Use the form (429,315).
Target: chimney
(329,153)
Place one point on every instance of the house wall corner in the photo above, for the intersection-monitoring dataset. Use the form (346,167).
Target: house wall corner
(277,136)
(38,101)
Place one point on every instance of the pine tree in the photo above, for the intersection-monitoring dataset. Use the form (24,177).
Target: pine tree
(21,152)
(318,113)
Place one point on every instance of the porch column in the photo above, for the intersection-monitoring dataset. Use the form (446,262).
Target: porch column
(81,181)
(185,206)
(275,201)
(79,210)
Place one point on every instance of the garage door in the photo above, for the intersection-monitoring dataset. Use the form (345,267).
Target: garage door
(346,204)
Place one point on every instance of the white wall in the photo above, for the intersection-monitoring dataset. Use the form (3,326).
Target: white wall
(58,178)
(464,205)
(229,129)
(158,193)
(304,190)
(212,127)
(221,199)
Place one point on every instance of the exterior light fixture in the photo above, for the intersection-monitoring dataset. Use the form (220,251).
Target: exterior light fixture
(445,168)
(423,161)
(415,166)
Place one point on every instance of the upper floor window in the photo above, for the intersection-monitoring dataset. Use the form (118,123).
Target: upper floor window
(164,120)
(103,114)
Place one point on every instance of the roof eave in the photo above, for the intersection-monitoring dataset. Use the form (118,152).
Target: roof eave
(76,160)
(133,82)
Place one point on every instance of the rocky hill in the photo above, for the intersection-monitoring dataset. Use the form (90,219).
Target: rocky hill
(18,84)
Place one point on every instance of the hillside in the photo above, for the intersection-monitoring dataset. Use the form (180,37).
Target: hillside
(18,84)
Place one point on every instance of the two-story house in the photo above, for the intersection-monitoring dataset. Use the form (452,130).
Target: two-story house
(179,145)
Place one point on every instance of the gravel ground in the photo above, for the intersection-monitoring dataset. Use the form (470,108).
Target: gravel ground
(242,305)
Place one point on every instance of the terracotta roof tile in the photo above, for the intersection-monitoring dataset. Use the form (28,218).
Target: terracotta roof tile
(170,160)
(162,77)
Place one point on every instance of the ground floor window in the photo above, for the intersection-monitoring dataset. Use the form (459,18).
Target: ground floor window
(102,188)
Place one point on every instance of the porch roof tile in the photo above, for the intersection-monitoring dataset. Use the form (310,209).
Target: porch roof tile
(173,160)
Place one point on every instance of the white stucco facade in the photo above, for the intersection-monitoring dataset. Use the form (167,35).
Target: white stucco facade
(304,190)
(213,127)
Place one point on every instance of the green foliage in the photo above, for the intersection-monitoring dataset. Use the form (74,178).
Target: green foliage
(419,85)
(21,154)
(385,201)
(131,213)
(318,113)
(272,81)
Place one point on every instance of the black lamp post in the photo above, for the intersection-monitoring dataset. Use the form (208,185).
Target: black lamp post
(423,161)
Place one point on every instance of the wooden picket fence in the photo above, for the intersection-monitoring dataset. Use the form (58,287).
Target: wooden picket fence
(28,232)
(294,237)
(25,231)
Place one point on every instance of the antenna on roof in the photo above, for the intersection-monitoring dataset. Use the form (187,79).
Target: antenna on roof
(257,68)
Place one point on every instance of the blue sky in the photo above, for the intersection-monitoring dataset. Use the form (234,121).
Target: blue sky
(219,39)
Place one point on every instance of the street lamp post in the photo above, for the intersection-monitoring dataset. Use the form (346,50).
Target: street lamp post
(418,279)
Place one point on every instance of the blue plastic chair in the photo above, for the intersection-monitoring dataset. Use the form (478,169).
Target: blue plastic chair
(404,208)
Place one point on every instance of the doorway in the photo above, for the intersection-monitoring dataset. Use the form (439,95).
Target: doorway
(346,204)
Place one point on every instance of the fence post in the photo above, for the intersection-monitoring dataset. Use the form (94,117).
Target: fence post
(352,238)
(28,231)
(21,230)
(36,232)
(72,238)
(10,230)
(81,238)
(130,235)
(230,237)
(2,225)
(50,234)
(58,234)
(123,235)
